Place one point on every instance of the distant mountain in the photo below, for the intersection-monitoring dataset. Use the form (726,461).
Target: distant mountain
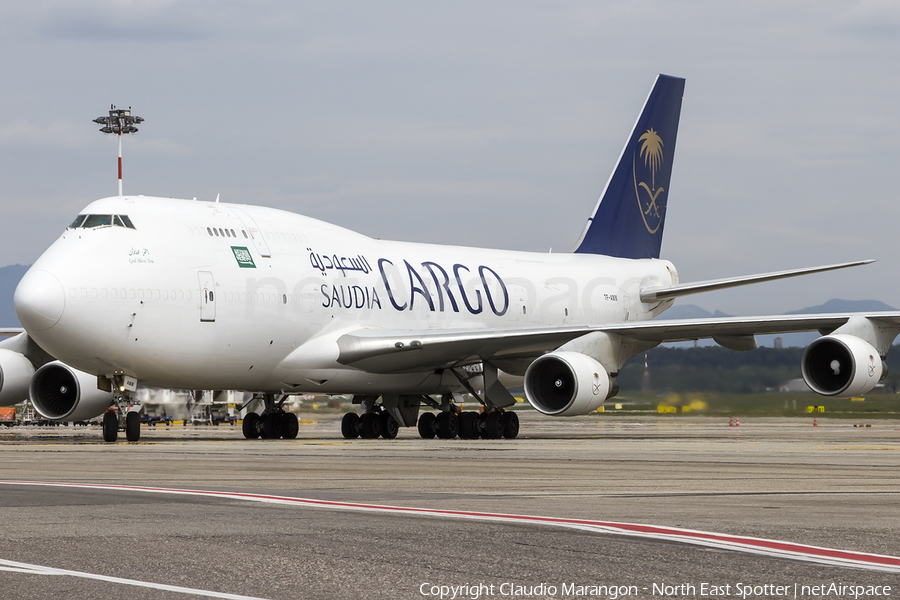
(835,305)
(690,311)
(9,279)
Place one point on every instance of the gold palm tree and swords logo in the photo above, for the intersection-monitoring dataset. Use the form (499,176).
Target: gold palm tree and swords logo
(652,153)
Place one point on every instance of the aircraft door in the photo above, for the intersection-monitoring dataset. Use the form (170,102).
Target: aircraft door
(207,297)
(255,234)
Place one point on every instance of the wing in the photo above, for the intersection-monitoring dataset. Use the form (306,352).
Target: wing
(381,351)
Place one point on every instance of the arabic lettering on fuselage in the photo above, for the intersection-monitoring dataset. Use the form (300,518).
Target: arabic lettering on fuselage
(339,263)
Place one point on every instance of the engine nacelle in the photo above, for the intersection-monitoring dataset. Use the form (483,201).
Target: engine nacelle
(566,384)
(841,365)
(62,393)
(15,375)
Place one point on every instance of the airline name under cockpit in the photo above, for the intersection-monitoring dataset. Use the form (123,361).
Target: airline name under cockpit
(487,291)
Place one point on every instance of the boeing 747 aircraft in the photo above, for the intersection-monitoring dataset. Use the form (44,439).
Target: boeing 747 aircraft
(209,295)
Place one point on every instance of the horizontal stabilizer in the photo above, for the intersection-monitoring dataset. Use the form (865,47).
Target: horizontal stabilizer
(654,294)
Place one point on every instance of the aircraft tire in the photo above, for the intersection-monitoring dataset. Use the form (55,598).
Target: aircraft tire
(493,426)
(249,426)
(448,425)
(132,426)
(467,428)
(510,425)
(426,426)
(371,426)
(350,426)
(389,426)
(290,427)
(110,426)
(271,426)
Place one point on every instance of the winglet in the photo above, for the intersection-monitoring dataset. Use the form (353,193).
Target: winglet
(629,218)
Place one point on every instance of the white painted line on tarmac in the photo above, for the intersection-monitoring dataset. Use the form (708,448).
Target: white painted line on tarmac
(748,545)
(19,567)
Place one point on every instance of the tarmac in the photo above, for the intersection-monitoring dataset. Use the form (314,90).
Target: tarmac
(600,506)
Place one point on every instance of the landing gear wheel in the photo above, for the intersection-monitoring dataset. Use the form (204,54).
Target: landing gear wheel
(426,426)
(271,429)
(350,426)
(467,430)
(510,425)
(110,426)
(493,426)
(448,425)
(249,426)
(290,427)
(371,426)
(132,426)
(389,426)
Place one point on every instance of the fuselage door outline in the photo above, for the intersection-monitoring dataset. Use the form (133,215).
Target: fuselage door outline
(255,234)
(207,297)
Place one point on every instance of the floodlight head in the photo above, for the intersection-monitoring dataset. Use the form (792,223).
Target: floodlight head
(119,121)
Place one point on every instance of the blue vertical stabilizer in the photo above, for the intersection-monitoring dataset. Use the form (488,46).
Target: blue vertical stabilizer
(629,218)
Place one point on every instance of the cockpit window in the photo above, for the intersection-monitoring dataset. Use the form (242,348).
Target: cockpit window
(90,221)
(97,221)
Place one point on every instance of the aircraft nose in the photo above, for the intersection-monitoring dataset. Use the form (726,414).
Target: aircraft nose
(39,300)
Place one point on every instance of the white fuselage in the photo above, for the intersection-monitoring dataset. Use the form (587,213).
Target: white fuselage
(218,296)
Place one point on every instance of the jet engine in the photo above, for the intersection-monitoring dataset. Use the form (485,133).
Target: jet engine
(566,384)
(62,393)
(841,365)
(15,375)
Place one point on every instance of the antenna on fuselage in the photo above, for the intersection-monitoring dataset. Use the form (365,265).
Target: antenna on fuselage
(118,122)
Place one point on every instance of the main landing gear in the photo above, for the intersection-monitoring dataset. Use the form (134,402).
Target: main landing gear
(379,420)
(273,423)
(469,425)
(369,426)
(384,418)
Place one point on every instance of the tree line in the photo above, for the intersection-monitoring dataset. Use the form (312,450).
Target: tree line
(716,369)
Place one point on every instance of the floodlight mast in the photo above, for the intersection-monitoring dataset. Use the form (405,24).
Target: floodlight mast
(118,122)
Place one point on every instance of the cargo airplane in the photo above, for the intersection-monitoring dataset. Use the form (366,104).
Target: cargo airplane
(213,296)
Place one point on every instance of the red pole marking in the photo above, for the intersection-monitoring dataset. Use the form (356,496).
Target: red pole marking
(862,559)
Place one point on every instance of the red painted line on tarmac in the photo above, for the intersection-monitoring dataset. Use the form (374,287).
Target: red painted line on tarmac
(763,546)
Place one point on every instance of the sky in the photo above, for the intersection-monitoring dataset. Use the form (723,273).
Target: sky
(491,124)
